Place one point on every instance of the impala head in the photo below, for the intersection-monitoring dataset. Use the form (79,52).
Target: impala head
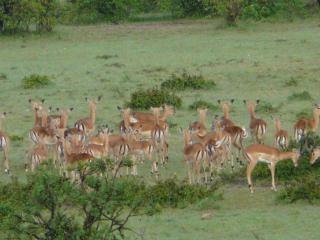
(36,106)
(315,154)
(316,109)
(3,115)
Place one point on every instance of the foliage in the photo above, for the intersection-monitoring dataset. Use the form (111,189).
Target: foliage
(144,99)
(20,15)
(91,11)
(302,96)
(291,83)
(190,8)
(266,107)
(187,81)
(45,206)
(304,188)
(203,104)
(35,81)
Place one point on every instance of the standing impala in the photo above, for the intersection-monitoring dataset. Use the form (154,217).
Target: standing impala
(87,125)
(261,153)
(303,124)
(281,136)
(4,144)
(36,108)
(257,126)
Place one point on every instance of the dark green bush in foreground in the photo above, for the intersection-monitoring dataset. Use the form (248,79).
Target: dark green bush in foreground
(49,206)
(187,81)
(35,81)
(144,99)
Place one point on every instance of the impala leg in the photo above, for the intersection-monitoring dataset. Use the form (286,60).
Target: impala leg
(273,169)
(6,160)
(250,168)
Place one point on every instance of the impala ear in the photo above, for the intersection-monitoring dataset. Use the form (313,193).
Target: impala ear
(42,100)
(219,101)
(232,100)
(57,109)
(244,101)
(71,109)
(86,99)
(119,108)
(4,113)
(258,101)
(99,98)
(29,100)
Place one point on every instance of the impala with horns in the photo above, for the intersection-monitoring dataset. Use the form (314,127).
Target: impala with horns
(4,144)
(303,124)
(261,153)
(257,126)
(87,125)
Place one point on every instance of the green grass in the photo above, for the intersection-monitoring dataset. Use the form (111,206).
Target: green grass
(248,62)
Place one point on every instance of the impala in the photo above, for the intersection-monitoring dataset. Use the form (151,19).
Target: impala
(59,121)
(304,124)
(261,153)
(145,116)
(99,151)
(36,156)
(87,125)
(4,145)
(257,126)
(36,108)
(281,136)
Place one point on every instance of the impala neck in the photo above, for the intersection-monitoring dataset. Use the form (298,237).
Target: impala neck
(92,113)
(1,123)
(186,138)
(156,114)
(251,112)
(44,119)
(64,119)
(126,118)
(277,125)
(165,115)
(315,119)
(202,117)
(36,117)
(225,109)
(285,155)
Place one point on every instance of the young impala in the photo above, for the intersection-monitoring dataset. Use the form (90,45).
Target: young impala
(281,138)
(87,125)
(304,124)
(4,145)
(261,153)
(257,126)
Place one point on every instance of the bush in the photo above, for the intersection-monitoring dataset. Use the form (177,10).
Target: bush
(187,81)
(302,96)
(304,188)
(144,99)
(92,11)
(266,107)
(203,104)
(35,81)
(20,15)
(191,8)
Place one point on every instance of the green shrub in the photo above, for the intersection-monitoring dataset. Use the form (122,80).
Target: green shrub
(304,188)
(203,104)
(16,138)
(144,99)
(302,96)
(291,83)
(266,107)
(306,113)
(191,8)
(35,81)
(187,81)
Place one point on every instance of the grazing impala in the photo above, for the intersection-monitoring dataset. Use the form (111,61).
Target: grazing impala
(225,106)
(87,125)
(257,126)
(303,124)
(4,144)
(281,136)
(261,153)
(200,125)
(315,154)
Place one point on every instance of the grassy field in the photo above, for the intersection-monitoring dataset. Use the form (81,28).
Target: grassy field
(249,62)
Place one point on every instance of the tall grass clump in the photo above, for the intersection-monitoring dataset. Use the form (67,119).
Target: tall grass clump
(203,104)
(302,96)
(35,81)
(291,83)
(154,97)
(187,81)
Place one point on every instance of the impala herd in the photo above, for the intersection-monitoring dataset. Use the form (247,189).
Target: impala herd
(144,135)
